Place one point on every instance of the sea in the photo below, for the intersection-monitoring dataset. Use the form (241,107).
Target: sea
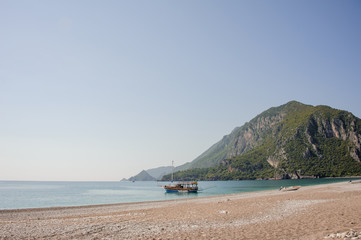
(32,194)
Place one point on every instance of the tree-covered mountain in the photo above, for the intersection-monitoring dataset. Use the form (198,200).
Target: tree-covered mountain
(293,140)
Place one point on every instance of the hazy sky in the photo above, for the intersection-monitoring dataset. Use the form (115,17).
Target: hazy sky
(99,90)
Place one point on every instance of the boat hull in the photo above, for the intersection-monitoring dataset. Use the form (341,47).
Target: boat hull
(292,188)
(171,191)
(182,188)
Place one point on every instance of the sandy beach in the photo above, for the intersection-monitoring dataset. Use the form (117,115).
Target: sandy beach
(331,211)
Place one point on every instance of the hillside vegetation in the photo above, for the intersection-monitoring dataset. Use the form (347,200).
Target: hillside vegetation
(290,141)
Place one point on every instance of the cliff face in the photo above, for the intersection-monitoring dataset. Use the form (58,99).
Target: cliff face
(242,139)
(325,142)
(253,133)
(343,128)
(293,139)
(239,141)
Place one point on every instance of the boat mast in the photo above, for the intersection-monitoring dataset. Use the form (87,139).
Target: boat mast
(172,169)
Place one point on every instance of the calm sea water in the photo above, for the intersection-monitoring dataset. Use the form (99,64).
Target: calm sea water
(28,194)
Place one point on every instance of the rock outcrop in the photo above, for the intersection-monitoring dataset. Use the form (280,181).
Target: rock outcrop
(297,140)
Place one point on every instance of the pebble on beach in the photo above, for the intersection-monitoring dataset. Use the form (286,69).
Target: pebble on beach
(350,235)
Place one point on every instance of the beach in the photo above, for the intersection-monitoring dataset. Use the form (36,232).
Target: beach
(328,211)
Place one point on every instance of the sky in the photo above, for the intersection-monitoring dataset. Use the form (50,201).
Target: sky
(100,90)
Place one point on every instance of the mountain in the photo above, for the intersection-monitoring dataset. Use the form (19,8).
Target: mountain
(152,174)
(142,176)
(159,172)
(290,141)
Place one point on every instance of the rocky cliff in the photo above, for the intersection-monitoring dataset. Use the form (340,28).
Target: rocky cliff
(241,139)
(293,140)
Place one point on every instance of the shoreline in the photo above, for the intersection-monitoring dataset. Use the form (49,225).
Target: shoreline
(312,212)
(155,201)
(129,203)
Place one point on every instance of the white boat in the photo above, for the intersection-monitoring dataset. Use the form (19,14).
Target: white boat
(292,188)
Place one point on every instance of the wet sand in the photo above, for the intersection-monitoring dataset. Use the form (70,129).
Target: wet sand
(312,212)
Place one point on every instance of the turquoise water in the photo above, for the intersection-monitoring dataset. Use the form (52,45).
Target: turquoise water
(27,194)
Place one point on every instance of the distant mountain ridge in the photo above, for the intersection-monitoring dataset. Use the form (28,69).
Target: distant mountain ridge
(152,174)
(142,176)
(293,140)
(159,172)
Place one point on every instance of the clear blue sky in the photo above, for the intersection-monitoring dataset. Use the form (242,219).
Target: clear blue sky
(99,90)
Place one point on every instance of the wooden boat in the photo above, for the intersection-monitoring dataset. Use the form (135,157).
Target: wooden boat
(292,188)
(187,187)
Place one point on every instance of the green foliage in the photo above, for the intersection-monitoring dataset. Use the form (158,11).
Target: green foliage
(332,160)
(187,175)
(252,165)
(301,140)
